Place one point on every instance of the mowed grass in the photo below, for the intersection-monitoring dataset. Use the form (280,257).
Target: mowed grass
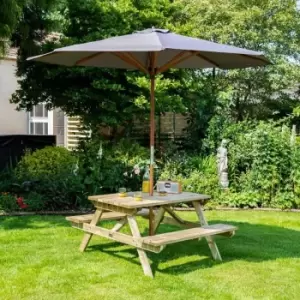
(39,259)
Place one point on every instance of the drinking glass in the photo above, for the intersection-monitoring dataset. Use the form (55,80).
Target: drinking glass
(138,196)
(122,192)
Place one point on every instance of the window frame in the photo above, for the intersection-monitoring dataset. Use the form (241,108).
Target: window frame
(48,120)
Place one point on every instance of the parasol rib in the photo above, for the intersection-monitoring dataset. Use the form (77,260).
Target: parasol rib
(176,60)
(254,57)
(85,59)
(209,60)
(131,60)
(137,62)
(171,62)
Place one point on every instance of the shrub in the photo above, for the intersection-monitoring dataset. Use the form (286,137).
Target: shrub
(202,183)
(196,174)
(35,202)
(263,161)
(48,181)
(8,202)
(105,167)
(46,162)
(285,200)
(58,194)
(8,181)
(264,168)
(240,199)
(266,151)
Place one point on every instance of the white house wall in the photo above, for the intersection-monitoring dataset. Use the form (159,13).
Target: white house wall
(11,121)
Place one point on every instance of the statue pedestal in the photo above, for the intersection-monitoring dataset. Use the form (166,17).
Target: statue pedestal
(224,180)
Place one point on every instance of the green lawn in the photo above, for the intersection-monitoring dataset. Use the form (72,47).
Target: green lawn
(39,259)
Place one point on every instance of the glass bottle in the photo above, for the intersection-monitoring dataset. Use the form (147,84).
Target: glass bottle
(146,181)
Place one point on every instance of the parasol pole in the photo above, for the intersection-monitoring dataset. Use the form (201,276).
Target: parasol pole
(152,131)
(152,71)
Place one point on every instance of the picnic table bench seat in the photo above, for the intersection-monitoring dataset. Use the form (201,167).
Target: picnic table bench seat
(78,220)
(189,234)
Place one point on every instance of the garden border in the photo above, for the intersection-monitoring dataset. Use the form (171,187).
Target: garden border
(79,212)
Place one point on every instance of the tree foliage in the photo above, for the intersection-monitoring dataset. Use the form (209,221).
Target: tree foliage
(106,97)
(269,26)
(9,13)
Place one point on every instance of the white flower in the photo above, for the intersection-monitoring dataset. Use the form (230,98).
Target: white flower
(76,168)
(100,151)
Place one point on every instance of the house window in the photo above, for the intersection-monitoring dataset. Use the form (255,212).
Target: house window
(40,120)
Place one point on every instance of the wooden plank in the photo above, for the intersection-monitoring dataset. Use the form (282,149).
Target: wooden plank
(142,254)
(151,221)
(119,225)
(227,234)
(115,208)
(174,215)
(210,241)
(143,213)
(77,225)
(80,218)
(188,224)
(87,236)
(187,234)
(120,237)
(200,213)
(113,200)
(88,218)
(158,218)
(184,224)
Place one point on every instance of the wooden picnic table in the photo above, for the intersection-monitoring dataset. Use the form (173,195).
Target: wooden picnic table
(126,209)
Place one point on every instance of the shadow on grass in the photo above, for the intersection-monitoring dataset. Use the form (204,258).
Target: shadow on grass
(252,242)
(32,222)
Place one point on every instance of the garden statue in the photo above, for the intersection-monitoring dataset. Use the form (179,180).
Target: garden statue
(222,161)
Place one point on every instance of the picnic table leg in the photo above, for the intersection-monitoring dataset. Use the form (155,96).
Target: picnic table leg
(174,215)
(210,240)
(151,221)
(142,254)
(158,218)
(119,225)
(87,236)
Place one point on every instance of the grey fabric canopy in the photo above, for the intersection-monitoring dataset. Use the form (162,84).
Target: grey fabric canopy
(153,51)
(168,46)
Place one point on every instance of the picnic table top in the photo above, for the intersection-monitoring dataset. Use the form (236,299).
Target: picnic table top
(147,200)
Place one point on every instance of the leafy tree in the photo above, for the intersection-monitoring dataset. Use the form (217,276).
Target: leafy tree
(12,14)
(262,25)
(9,13)
(105,97)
